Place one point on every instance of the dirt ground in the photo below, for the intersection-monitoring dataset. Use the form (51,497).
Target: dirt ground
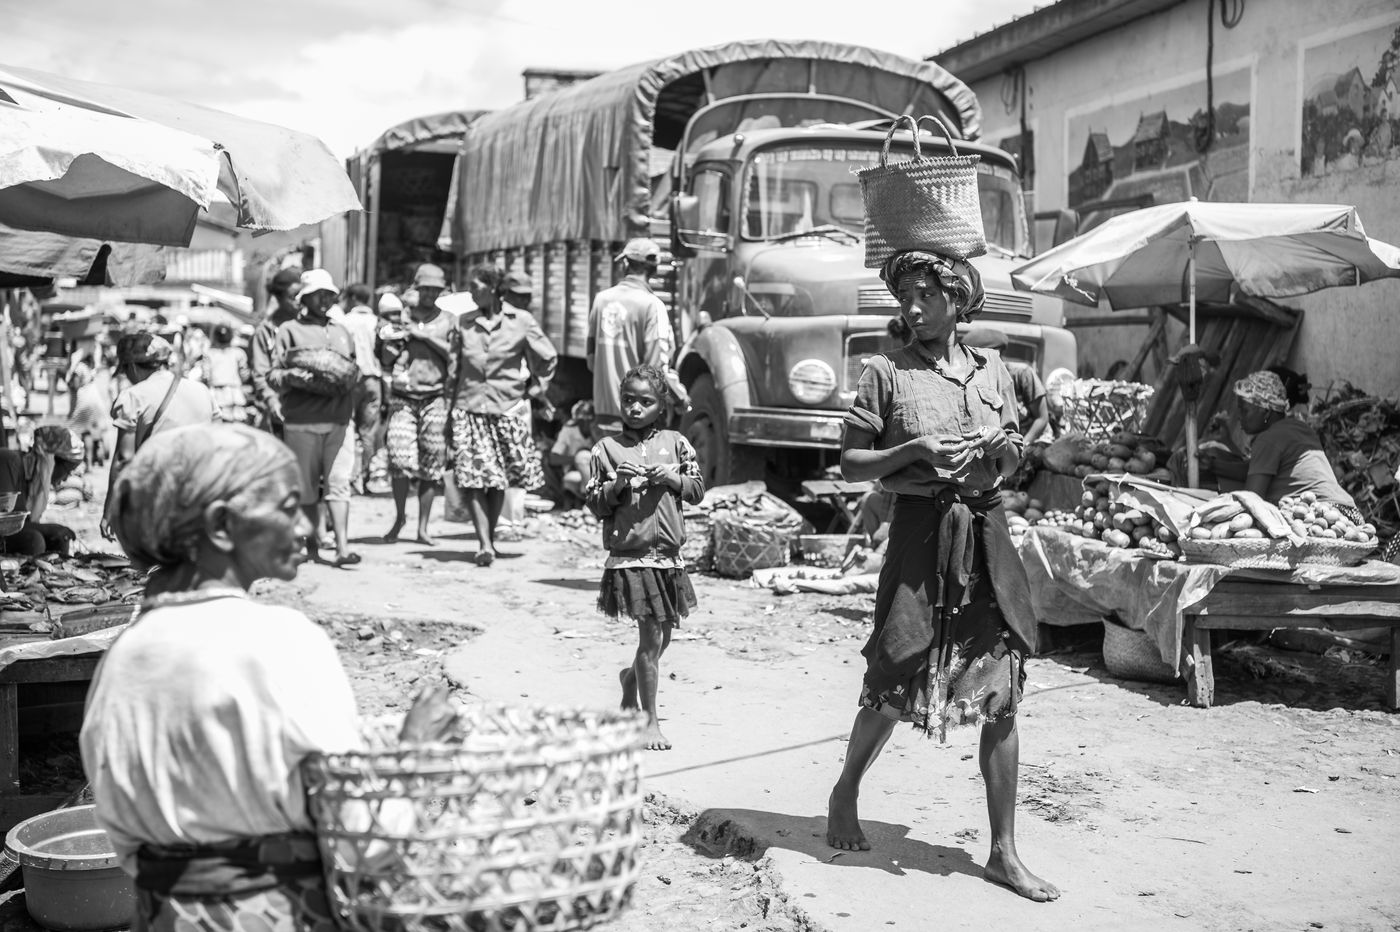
(1277,809)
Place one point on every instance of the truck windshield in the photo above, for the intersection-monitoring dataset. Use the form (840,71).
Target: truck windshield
(795,189)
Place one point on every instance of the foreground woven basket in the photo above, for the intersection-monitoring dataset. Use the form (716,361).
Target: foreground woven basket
(1335,552)
(1133,655)
(1242,553)
(927,204)
(532,824)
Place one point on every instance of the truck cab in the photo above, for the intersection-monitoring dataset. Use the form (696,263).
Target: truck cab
(777,311)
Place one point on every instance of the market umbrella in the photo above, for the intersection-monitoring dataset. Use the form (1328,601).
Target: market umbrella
(25,254)
(114,164)
(1210,251)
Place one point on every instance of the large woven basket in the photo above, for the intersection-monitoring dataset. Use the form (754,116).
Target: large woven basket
(929,204)
(1242,553)
(1133,655)
(1100,409)
(1334,552)
(531,824)
(321,371)
(742,546)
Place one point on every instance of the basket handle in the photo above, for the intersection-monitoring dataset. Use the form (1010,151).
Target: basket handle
(889,137)
(941,125)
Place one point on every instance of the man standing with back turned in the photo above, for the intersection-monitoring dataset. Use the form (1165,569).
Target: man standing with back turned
(628,326)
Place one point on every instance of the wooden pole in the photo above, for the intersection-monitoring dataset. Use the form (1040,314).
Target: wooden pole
(1193,468)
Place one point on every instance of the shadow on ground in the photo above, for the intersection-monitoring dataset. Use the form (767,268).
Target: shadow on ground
(750,833)
(588,585)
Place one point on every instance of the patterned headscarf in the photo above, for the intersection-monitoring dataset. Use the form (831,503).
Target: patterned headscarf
(157,504)
(955,276)
(1263,389)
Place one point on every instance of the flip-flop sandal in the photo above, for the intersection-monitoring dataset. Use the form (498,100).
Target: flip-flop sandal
(350,559)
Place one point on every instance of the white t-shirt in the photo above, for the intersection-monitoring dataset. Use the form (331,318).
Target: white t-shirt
(136,406)
(199,718)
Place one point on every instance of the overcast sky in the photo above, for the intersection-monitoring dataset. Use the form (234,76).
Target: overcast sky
(348,69)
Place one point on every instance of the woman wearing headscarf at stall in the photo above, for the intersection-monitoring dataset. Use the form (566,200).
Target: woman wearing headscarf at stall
(202,711)
(500,348)
(32,474)
(936,423)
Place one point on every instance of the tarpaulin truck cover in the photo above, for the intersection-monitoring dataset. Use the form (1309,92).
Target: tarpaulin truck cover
(574,164)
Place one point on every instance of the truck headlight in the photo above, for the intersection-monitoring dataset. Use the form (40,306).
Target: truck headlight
(811,381)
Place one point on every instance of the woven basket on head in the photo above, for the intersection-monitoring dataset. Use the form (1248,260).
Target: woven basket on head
(1133,655)
(1242,553)
(928,204)
(531,824)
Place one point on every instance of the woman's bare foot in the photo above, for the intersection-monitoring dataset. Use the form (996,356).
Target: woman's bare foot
(1007,870)
(425,538)
(843,824)
(628,678)
(654,739)
(393,534)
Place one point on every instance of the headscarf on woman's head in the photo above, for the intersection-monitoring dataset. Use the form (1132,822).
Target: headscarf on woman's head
(955,276)
(1263,389)
(143,349)
(158,502)
(58,441)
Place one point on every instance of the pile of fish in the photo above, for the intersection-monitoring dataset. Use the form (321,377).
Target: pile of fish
(31,583)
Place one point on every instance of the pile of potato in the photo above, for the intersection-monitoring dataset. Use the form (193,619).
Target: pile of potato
(1117,524)
(1308,517)
(1125,453)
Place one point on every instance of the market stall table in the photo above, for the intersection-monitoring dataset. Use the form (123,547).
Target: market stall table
(844,497)
(1075,580)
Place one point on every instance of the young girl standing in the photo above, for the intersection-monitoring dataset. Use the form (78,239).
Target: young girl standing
(640,480)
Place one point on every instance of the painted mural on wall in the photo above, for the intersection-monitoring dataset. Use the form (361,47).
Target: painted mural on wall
(1162,146)
(1351,105)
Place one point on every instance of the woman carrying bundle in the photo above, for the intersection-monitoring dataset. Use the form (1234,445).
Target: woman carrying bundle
(936,423)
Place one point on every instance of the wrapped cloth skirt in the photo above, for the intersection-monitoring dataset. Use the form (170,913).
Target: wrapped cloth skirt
(494,451)
(646,594)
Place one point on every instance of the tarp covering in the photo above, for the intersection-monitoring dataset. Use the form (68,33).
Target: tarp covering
(435,127)
(575,164)
(49,255)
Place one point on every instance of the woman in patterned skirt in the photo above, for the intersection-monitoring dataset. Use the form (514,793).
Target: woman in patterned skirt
(935,422)
(500,347)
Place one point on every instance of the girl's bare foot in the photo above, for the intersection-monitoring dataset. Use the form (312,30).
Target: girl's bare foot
(843,824)
(1007,870)
(393,534)
(654,739)
(425,538)
(628,678)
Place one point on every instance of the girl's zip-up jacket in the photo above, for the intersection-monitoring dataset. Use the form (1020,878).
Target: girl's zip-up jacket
(643,522)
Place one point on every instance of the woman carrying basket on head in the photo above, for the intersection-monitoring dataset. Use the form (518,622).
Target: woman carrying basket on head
(202,712)
(936,423)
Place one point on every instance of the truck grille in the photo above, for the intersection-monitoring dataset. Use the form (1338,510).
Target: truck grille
(875,299)
(1008,304)
(860,347)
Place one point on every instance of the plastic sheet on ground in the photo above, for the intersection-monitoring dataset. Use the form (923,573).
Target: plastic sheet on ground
(786,580)
(1075,580)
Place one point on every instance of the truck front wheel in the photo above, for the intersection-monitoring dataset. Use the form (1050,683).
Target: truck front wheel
(705,426)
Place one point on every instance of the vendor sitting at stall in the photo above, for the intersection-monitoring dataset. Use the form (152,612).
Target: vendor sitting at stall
(1285,456)
(31,474)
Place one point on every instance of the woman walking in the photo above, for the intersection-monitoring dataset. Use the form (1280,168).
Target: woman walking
(935,422)
(500,348)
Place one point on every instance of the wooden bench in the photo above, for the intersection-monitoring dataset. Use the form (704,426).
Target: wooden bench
(1263,606)
(842,496)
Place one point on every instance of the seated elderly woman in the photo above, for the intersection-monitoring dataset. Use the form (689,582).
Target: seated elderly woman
(203,710)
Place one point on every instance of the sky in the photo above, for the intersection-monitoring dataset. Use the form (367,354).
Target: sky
(346,70)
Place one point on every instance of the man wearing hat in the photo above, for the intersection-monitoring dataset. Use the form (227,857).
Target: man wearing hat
(282,307)
(315,425)
(32,474)
(157,400)
(627,326)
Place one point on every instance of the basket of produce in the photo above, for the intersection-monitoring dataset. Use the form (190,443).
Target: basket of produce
(827,549)
(1100,409)
(1132,655)
(1240,529)
(320,370)
(1328,534)
(12,522)
(531,823)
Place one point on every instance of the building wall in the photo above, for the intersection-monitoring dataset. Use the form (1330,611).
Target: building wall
(1282,78)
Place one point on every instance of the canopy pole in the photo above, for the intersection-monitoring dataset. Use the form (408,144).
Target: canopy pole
(1193,468)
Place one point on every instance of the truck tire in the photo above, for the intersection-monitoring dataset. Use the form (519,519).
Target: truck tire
(705,426)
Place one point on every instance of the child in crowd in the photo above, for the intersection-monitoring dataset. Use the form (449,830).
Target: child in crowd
(572,450)
(640,480)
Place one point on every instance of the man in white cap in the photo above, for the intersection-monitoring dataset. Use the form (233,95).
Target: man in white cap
(627,326)
(315,425)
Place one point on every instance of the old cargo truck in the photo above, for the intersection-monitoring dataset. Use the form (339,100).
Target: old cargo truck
(740,157)
(404,180)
